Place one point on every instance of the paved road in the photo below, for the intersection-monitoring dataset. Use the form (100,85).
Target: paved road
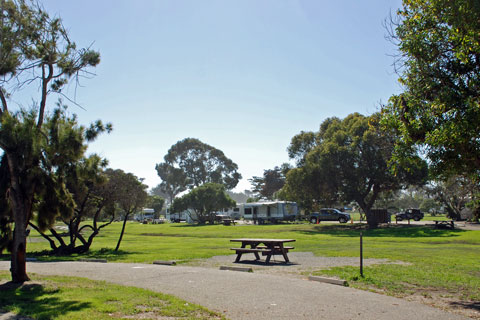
(241,295)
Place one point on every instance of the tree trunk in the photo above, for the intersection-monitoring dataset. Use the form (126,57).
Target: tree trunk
(19,248)
(19,255)
(371,221)
(121,233)
(21,207)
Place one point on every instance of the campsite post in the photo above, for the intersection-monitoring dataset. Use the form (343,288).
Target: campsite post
(361,254)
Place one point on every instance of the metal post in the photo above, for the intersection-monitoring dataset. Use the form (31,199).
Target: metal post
(361,254)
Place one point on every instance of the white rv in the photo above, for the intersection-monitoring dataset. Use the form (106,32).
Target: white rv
(272,211)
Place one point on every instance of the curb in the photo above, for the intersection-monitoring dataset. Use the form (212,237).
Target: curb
(165,263)
(93,260)
(242,269)
(328,280)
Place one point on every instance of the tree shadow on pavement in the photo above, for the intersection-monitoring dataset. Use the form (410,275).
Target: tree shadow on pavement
(30,299)
(272,263)
(475,305)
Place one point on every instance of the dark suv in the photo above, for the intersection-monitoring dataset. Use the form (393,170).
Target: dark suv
(408,214)
(329,214)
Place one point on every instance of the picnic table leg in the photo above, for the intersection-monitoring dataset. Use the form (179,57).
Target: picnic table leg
(239,254)
(257,257)
(268,258)
(284,253)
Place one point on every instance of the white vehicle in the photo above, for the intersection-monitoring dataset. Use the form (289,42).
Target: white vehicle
(271,211)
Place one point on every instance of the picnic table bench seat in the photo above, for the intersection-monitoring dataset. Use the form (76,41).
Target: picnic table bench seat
(251,250)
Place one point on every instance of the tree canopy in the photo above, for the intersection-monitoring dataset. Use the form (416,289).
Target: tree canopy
(204,201)
(130,195)
(36,52)
(439,67)
(349,160)
(190,163)
(271,182)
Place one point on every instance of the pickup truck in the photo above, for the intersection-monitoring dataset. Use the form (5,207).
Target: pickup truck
(329,214)
(408,214)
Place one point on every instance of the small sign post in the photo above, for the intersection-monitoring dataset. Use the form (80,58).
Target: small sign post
(361,254)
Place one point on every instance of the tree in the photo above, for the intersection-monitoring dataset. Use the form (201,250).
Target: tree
(94,196)
(190,163)
(272,181)
(349,161)
(156,202)
(204,201)
(310,187)
(174,180)
(36,52)
(438,65)
(131,195)
(455,194)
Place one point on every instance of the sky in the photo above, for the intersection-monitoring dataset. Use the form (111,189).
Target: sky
(244,76)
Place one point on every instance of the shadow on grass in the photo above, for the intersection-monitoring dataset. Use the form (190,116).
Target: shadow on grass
(105,253)
(402,231)
(32,299)
(194,225)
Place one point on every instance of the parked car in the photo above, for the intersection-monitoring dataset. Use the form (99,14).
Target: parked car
(408,214)
(329,214)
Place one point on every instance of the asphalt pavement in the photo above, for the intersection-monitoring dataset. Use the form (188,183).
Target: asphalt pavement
(242,295)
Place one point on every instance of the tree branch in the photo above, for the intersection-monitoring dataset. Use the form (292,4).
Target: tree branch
(4,102)
(52,243)
(45,80)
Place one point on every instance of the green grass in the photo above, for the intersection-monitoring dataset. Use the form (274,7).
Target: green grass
(76,298)
(433,259)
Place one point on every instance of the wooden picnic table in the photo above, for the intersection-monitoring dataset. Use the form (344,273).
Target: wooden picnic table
(267,247)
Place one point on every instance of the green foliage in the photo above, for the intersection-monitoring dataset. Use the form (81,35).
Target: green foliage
(456,194)
(130,194)
(130,191)
(350,161)
(190,163)
(87,183)
(204,201)
(44,156)
(272,181)
(156,203)
(36,52)
(438,66)
(174,180)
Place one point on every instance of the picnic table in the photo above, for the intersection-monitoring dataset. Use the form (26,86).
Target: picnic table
(227,222)
(444,224)
(267,247)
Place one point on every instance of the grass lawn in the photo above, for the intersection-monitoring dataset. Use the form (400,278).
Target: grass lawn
(76,298)
(435,262)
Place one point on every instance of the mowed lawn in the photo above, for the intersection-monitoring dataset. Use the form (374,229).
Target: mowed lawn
(76,298)
(434,262)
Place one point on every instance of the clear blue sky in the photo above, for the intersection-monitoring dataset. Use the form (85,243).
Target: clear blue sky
(244,76)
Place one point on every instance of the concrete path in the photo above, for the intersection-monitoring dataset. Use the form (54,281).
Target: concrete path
(241,295)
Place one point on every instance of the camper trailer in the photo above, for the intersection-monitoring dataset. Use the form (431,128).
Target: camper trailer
(273,211)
